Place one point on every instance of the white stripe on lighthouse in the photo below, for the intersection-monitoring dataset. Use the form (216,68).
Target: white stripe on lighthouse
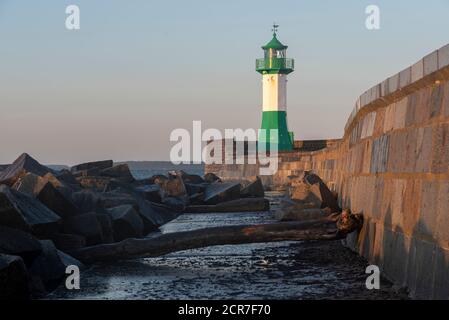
(274,92)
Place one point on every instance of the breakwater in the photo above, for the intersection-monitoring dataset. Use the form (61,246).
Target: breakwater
(392,164)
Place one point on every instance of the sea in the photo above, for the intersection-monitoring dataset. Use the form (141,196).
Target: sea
(146,169)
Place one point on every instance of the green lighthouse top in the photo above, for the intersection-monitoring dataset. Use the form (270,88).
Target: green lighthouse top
(275,60)
(274,43)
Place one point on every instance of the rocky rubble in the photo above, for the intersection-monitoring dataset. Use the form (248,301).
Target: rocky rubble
(46,214)
(308,198)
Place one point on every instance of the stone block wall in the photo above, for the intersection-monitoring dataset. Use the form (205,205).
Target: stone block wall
(393,166)
(289,164)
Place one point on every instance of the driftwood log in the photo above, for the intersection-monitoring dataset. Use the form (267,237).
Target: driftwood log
(332,227)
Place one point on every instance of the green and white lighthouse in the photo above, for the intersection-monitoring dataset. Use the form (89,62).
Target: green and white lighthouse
(274,67)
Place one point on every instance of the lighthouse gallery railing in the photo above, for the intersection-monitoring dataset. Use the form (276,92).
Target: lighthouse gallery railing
(275,63)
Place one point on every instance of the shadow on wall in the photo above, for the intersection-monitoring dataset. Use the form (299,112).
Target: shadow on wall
(414,262)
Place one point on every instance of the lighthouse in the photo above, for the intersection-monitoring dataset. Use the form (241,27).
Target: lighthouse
(274,67)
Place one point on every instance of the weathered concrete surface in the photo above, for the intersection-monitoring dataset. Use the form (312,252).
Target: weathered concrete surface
(285,270)
(393,166)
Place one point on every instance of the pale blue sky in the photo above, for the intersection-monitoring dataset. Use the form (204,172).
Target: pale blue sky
(138,69)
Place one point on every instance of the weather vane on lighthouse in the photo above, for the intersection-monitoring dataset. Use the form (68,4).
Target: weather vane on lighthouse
(275,28)
(274,67)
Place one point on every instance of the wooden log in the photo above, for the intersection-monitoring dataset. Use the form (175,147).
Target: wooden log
(329,228)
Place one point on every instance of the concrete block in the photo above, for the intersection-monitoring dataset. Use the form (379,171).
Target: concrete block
(410,150)
(442,230)
(422,110)
(367,156)
(400,113)
(423,149)
(430,63)
(396,257)
(429,209)
(388,254)
(379,124)
(376,211)
(364,99)
(378,252)
(368,125)
(436,101)
(369,96)
(360,154)
(389,117)
(367,239)
(368,199)
(412,104)
(424,268)
(355,134)
(417,71)
(397,149)
(379,154)
(397,209)
(412,267)
(352,193)
(412,205)
(356,195)
(445,102)
(375,92)
(371,122)
(443,57)
(363,128)
(393,83)
(405,77)
(440,149)
(441,274)
(384,88)
(386,205)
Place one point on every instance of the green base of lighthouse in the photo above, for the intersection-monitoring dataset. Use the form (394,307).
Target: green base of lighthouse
(276,120)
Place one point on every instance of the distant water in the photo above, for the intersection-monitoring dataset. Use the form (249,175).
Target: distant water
(146,169)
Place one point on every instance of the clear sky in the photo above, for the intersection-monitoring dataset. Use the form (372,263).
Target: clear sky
(137,69)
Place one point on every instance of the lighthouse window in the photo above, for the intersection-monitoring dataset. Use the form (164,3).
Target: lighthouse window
(280,53)
(273,53)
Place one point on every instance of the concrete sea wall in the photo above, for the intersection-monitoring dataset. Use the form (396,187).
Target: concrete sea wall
(393,166)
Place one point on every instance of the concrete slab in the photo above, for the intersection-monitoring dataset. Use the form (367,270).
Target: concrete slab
(405,77)
(400,113)
(424,269)
(443,57)
(440,149)
(428,218)
(430,63)
(417,71)
(393,83)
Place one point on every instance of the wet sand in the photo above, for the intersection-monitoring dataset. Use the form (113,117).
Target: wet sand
(283,270)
